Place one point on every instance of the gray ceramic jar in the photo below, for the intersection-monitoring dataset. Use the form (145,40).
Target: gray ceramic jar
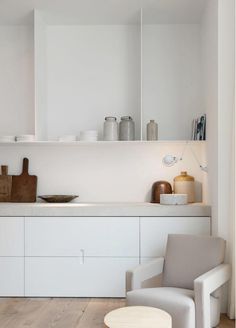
(152,130)
(126,129)
(110,129)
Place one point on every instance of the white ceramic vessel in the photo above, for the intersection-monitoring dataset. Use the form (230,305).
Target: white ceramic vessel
(173,199)
(110,129)
(126,129)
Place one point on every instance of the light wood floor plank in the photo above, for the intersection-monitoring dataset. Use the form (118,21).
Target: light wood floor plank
(9,309)
(62,312)
(96,310)
(226,323)
(50,313)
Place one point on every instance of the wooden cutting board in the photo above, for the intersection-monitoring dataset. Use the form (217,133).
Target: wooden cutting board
(5,185)
(24,186)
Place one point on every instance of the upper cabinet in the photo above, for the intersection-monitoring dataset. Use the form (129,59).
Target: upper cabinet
(94,59)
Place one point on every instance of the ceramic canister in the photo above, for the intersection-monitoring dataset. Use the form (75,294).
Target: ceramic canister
(184,184)
(152,130)
(126,128)
(158,188)
(110,129)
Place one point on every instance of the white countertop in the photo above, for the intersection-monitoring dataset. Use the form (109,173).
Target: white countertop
(103,209)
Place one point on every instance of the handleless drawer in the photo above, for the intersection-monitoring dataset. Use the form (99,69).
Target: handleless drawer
(11,236)
(11,276)
(71,277)
(155,230)
(78,236)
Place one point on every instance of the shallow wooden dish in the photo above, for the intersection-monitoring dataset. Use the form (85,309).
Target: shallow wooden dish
(58,198)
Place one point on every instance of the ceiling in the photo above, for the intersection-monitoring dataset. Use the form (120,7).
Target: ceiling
(20,12)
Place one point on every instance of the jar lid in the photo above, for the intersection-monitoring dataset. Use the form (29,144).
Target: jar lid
(126,118)
(184,177)
(110,118)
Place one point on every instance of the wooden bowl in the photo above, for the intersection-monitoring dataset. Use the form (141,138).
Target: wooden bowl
(58,198)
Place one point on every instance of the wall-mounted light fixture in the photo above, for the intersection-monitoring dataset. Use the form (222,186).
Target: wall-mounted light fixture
(170,160)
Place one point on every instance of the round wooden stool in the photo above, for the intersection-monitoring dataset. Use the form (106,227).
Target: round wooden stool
(138,317)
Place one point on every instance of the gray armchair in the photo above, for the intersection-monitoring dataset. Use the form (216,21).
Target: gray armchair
(192,274)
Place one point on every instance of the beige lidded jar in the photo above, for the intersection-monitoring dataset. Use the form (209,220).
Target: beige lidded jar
(184,184)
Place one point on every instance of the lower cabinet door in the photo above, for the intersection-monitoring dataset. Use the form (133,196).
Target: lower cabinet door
(11,276)
(154,231)
(11,236)
(76,277)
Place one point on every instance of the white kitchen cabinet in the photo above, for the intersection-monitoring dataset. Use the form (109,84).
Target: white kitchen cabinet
(11,256)
(82,256)
(154,232)
(76,277)
(11,236)
(76,236)
(11,276)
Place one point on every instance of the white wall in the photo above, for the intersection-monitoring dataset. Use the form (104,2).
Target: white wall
(226,112)
(16,80)
(40,76)
(172,93)
(218,68)
(219,65)
(209,36)
(103,172)
(93,72)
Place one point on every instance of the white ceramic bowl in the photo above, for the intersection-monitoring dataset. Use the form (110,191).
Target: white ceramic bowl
(173,199)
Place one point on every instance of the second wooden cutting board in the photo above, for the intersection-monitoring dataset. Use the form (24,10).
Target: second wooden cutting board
(24,186)
(5,185)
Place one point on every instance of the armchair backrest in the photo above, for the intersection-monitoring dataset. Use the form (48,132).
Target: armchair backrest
(189,256)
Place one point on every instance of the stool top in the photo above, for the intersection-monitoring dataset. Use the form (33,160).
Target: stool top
(138,317)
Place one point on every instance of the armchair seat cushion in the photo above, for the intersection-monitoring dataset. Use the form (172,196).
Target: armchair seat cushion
(178,302)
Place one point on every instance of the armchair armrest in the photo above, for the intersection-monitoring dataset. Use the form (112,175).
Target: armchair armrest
(203,287)
(135,277)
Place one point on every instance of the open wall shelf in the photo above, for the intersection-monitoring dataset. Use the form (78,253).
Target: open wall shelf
(149,67)
(100,143)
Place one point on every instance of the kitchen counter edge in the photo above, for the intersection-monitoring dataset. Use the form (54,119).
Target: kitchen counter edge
(103,209)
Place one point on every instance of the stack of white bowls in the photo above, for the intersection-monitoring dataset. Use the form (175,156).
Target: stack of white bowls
(7,138)
(89,135)
(25,138)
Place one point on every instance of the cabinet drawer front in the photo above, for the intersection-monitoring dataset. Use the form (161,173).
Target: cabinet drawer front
(92,236)
(11,236)
(69,277)
(154,232)
(11,276)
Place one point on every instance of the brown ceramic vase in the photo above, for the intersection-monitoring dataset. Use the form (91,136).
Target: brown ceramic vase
(160,187)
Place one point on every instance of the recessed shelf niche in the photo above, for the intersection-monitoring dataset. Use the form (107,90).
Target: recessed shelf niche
(149,65)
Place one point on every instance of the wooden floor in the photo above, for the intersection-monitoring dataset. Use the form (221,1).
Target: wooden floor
(61,313)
